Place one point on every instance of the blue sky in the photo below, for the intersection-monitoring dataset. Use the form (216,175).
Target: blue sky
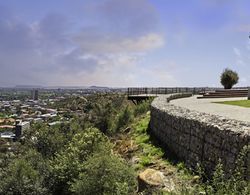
(123,43)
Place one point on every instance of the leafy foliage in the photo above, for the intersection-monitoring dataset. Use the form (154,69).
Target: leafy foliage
(235,183)
(22,178)
(70,162)
(229,78)
(46,140)
(142,108)
(124,118)
(59,159)
(104,174)
(77,158)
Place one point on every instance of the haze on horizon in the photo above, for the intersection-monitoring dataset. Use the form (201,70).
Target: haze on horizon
(123,43)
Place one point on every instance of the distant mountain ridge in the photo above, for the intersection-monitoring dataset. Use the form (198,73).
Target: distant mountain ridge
(28,86)
(94,87)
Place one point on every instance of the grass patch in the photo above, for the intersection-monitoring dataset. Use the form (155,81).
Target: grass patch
(242,103)
(148,152)
(142,138)
(151,154)
(145,161)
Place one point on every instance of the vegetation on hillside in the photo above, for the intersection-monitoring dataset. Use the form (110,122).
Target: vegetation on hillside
(101,150)
(57,159)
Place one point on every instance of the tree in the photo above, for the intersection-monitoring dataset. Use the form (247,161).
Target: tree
(229,78)
(46,140)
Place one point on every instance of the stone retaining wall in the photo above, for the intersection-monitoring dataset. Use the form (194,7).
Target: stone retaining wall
(199,137)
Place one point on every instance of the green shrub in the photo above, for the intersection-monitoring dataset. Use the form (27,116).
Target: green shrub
(46,140)
(125,117)
(145,160)
(70,162)
(144,138)
(229,78)
(236,183)
(142,108)
(21,178)
(104,174)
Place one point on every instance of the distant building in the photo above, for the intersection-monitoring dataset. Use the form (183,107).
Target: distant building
(7,135)
(34,94)
(47,116)
(37,120)
(7,127)
(20,127)
(55,123)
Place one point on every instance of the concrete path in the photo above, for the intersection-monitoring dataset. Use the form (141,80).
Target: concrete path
(207,106)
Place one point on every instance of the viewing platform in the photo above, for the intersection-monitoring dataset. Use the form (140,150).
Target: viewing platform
(139,94)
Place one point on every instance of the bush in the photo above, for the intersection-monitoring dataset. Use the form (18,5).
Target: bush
(235,183)
(21,178)
(104,174)
(229,78)
(70,162)
(142,108)
(125,117)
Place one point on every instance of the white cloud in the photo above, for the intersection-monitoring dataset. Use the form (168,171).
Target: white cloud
(237,52)
(144,43)
(240,61)
(101,50)
(248,45)
(112,70)
(111,44)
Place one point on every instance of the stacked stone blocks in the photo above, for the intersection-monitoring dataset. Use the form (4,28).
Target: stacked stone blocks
(199,137)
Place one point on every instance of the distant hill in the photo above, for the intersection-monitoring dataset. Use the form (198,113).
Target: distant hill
(98,87)
(65,87)
(28,86)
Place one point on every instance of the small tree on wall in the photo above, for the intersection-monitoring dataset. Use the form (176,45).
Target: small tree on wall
(229,78)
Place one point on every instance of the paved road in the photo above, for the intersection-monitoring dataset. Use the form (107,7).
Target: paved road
(207,106)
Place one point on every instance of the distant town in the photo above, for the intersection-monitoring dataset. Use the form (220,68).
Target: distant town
(24,105)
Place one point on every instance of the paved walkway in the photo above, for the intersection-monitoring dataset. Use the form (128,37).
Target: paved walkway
(207,106)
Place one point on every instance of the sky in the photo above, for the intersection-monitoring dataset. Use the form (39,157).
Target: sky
(123,43)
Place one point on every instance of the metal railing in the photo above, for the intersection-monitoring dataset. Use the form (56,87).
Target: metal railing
(133,91)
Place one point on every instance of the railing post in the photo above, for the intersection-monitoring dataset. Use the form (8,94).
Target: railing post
(248,96)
